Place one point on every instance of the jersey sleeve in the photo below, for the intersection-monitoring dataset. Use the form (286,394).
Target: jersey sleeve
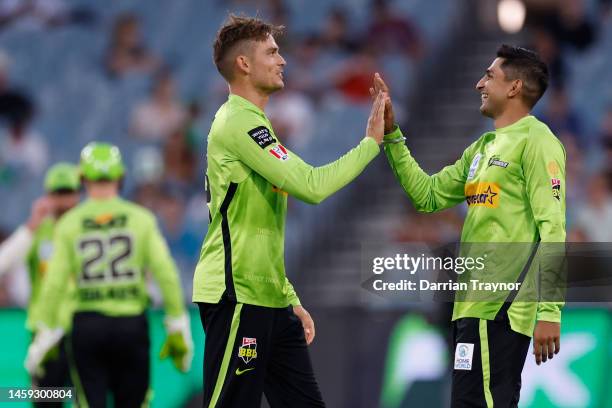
(544,169)
(292,296)
(428,193)
(162,266)
(15,249)
(61,267)
(253,143)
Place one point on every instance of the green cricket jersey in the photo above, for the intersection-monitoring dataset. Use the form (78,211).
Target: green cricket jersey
(37,261)
(513,182)
(106,246)
(249,175)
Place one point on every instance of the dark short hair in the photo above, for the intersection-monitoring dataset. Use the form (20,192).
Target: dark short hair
(233,32)
(526,65)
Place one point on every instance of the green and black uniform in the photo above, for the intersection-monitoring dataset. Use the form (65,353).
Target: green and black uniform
(240,280)
(56,370)
(513,180)
(105,247)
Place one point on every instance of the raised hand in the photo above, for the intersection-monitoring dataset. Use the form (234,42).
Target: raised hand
(41,208)
(376,123)
(380,86)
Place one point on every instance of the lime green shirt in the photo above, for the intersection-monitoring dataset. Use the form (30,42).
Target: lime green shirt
(37,261)
(513,180)
(249,175)
(106,247)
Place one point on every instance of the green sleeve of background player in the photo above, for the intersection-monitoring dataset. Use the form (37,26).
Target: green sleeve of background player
(162,266)
(286,170)
(544,169)
(428,193)
(54,283)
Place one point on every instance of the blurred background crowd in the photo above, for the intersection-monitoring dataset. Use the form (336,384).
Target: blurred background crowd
(140,74)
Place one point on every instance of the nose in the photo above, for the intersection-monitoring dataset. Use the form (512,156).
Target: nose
(282,61)
(480,84)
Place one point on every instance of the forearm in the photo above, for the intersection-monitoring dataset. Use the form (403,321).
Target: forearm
(15,248)
(314,184)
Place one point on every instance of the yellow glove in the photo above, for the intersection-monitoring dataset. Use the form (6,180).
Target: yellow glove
(179,344)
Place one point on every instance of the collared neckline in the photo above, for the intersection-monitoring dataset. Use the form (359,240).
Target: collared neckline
(516,124)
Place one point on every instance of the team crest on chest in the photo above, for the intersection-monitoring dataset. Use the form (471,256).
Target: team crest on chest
(474,166)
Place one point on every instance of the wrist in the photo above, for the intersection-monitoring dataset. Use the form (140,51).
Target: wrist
(395,133)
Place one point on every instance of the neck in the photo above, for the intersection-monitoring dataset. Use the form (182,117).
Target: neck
(251,94)
(104,191)
(510,116)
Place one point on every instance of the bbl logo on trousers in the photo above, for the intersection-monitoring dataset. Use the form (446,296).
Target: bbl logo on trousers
(248,350)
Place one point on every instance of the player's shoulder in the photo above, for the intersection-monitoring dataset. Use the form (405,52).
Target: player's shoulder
(237,115)
(540,134)
(138,211)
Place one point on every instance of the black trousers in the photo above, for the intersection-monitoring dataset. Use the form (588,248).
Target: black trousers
(110,355)
(252,350)
(488,362)
(56,374)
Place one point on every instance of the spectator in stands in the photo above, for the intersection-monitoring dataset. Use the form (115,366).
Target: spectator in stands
(570,24)
(354,77)
(21,147)
(23,150)
(15,106)
(335,34)
(180,161)
(594,217)
(304,70)
(127,52)
(293,116)
(392,32)
(550,51)
(161,115)
(562,118)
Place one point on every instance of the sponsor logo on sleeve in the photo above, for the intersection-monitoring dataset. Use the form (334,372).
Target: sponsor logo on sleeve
(463,356)
(474,166)
(262,136)
(556,188)
(279,152)
(248,350)
(482,194)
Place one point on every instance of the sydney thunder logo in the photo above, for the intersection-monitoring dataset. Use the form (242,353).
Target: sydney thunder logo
(248,350)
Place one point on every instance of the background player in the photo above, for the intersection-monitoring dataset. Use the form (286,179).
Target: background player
(106,245)
(254,341)
(32,243)
(520,170)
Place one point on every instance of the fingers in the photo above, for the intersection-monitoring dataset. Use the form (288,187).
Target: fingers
(537,351)
(379,83)
(557,344)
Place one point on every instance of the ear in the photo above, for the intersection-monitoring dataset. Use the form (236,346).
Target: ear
(517,86)
(243,64)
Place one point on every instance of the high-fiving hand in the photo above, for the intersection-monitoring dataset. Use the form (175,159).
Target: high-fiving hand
(375,128)
(380,86)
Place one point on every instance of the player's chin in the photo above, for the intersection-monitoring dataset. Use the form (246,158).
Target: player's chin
(485,111)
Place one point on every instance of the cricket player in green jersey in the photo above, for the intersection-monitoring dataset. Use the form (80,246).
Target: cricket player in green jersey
(513,180)
(256,331)
(106,245)
(32,243)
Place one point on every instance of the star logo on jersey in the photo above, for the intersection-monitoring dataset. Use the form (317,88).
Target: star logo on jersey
(279,152)
(482,194)
(248,350)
